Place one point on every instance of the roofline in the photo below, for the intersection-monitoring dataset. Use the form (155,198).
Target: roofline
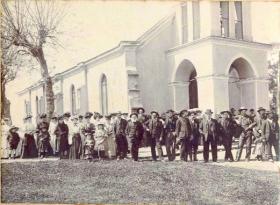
(119,47)
(209,38)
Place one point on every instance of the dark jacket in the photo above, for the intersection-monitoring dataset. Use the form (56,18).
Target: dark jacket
(170,124)
(183,128)
(134,131)
(13,140)
(227,128)
(209,128)
(274,135)
(119,127)
(194,131)
(155,128)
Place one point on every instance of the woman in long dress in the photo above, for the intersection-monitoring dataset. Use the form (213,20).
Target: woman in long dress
(61,141)
(52,127)
(29,148)
(111,150)
(75,141)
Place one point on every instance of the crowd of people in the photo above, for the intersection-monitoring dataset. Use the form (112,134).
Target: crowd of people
(114,136)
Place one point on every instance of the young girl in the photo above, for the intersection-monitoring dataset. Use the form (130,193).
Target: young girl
(100,140)
(89,147)
(13,140)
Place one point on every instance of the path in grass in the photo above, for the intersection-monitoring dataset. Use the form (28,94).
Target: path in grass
(126,181)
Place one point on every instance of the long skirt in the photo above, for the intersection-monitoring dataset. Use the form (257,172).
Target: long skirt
(111,147)
(29,148)
(76,147)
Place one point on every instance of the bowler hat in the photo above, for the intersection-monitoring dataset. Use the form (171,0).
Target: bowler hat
(44,115)
(88,114)
(261,108)
(242,108)
(133,114)
(140,108)
(155,113)
(208,111)
(74,117)
(108,116)
(67,114)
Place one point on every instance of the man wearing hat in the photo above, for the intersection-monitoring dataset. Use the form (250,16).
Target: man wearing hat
(134,132)
(67,116)
(195,135)
(155,129)
(274,136)
(170,140)
(119,132)
(247,134)
(143,118)
(183,132)
(228,126)
(263,127)
(29,148)
(209,129)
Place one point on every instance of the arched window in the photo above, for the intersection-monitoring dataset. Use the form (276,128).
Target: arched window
(73,99)
(104,95)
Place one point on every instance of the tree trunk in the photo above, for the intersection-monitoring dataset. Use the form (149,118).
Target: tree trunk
(5,103)
(47,83)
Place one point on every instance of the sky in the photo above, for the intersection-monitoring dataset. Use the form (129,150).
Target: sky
(92,27)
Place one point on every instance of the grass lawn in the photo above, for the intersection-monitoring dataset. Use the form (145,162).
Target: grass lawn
(132,182)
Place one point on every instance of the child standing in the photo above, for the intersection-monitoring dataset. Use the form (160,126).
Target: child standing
(89,147)
(100,140)
(13,140)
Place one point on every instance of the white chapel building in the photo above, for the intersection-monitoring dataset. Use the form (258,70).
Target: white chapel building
(201,55)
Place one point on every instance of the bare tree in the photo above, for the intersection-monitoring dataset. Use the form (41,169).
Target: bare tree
(31,26)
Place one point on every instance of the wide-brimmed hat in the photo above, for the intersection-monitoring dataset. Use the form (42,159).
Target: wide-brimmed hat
(88,114)
(75,117)
(60,117)
(155,113)
(225,111)
(27,117)
(67,114)
(182,111)
(100,123)
(140,108)
(170,111)
(133,114)
(54,116)
(13,127)
(242,108)
(261,108)
(208,111)
(124,113)
(43,115)
(108,116)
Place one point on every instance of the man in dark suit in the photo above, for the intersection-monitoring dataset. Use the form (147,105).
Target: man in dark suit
(170,140)
(195,135)
(134,132)
(209,128)
(228,126)
(183,132)
(119,133)
(155,128)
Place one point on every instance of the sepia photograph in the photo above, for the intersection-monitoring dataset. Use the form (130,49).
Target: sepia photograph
(140,102)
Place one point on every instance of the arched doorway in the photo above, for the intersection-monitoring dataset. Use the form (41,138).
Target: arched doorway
(185,86)
(241,85)
(104,94)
